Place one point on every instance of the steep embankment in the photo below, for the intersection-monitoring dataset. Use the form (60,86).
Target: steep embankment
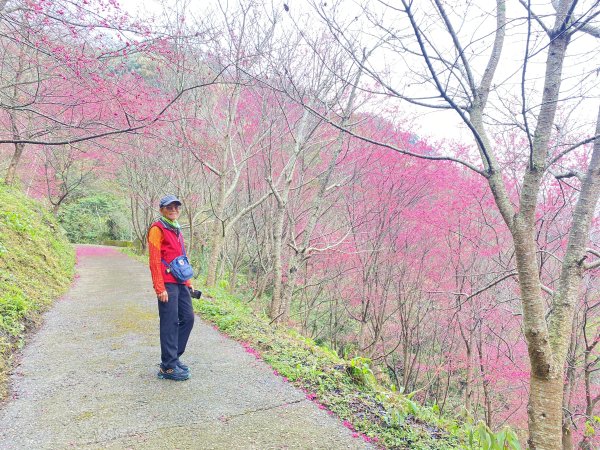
(36,266)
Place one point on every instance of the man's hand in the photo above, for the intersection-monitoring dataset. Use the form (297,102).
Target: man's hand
(163,296)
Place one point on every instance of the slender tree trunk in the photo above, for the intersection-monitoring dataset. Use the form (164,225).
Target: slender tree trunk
(567,434)
(277,312)
(590,402)
(300,255)
(221,265)
(261,285)
(191,244)
(235,267)
(469,378)
(217,237)
(11,173)
(363,334)
(216,246)
(487,398)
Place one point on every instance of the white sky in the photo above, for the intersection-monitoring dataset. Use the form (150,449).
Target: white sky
(446,124)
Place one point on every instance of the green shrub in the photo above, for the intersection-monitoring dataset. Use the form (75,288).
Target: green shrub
(95,219)
(481,437)
(36,266)
(359,370)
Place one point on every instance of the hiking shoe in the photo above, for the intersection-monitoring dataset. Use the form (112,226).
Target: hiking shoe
(175,373)
(182,366)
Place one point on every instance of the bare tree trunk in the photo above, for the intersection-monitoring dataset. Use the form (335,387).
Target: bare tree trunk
(55,209)
(216,246)
(590,362)
(487,398)
(586,441)
(261,285)
(217,236)
(363,334)
(469,376)
(191,243)
(567,434)
(11,173)
(277,312)
(233,278)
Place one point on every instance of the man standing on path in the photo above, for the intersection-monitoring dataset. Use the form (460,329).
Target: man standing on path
(165,246)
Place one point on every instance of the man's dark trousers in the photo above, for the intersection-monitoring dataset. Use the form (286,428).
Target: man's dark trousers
(176,322)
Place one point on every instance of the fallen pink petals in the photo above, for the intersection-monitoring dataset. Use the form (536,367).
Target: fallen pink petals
(348,425)
(251,350)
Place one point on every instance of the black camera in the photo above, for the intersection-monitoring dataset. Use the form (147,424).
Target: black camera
(195,294)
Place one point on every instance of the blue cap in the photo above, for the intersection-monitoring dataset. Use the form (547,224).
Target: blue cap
(168,199)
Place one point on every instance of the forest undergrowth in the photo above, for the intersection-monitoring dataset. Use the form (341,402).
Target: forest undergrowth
(345,387)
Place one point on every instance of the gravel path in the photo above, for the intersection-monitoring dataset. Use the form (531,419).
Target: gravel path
(88,380)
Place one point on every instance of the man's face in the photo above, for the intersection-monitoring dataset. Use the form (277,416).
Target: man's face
(171,211)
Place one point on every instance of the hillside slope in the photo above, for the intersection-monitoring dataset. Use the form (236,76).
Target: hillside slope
(347,388)
(36,266)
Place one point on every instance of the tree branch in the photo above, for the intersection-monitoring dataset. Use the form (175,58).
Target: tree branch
(393,147)
(537,18)
(440,88)
(115,132)
(570,174)
(571,148)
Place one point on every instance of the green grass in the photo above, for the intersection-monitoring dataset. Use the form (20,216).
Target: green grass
(346,387)
(36,267)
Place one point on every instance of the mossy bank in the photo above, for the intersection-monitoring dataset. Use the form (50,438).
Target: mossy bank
(36,267)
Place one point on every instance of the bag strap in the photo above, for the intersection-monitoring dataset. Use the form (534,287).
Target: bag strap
(180,239)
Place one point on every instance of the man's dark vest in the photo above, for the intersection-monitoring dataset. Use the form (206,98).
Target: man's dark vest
(170,248)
